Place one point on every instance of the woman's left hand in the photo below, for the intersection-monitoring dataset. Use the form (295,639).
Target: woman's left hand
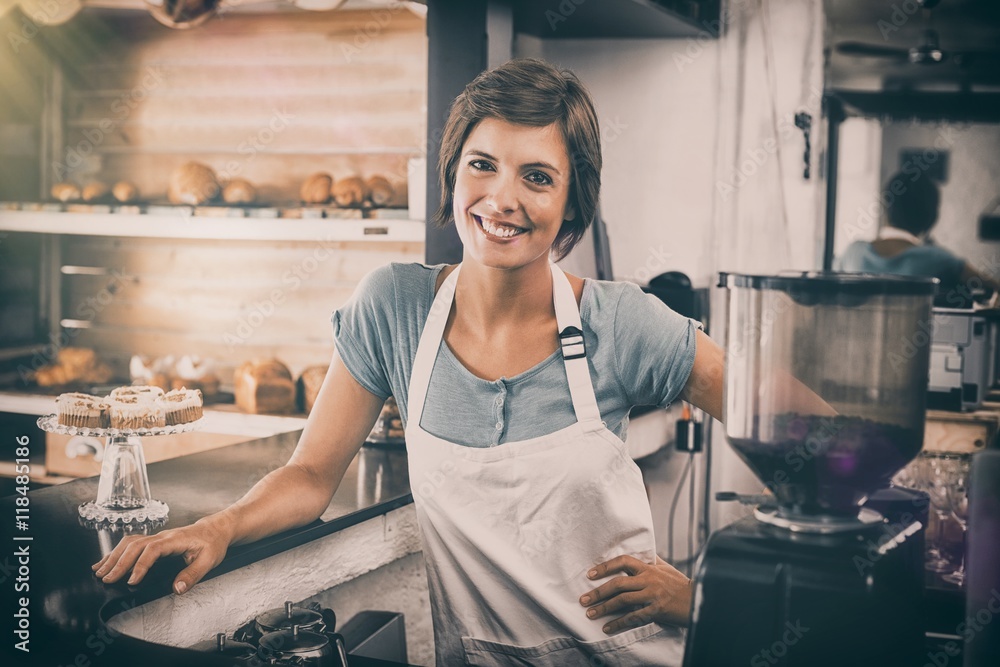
(650,593)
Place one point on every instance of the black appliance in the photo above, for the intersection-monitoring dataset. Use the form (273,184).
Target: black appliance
(829,570)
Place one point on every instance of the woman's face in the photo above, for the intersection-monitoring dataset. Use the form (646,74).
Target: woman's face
(511,193)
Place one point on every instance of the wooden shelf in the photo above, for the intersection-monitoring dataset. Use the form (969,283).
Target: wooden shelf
(198,227)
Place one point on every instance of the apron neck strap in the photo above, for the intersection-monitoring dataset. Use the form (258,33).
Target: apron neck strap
(570,337)
(573,350)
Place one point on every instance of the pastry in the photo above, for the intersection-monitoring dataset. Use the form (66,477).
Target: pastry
(239,191)
(65,192)
(193,372)
(82,410)
(182,406)
(142,392)
(379,190)
(264,386)
(134,411)
(73,364)
(350,191)
(94,191)
(193,183)
(316,189)
(125,192)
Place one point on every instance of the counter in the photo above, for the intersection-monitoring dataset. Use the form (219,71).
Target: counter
(72,614)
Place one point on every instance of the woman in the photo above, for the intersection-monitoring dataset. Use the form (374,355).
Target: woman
(518,381)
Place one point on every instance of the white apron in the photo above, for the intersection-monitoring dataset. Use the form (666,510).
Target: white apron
(509,532)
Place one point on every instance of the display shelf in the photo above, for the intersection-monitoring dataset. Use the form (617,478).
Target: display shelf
(179,226)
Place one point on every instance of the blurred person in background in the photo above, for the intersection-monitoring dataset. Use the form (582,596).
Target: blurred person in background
(903,248)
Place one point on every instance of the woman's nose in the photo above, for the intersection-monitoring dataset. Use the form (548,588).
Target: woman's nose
(502,197)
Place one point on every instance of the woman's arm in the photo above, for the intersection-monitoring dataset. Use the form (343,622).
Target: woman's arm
(704,386)
(293,495)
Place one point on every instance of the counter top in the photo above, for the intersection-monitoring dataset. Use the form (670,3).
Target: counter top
(228,421)
(68,605)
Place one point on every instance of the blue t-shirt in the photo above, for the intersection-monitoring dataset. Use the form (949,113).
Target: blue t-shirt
(926,261)
(640,353)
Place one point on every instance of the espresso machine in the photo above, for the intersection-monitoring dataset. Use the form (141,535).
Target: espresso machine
(824,400)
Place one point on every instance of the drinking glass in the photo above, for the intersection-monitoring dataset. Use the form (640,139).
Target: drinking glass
(925,479)
(958,502)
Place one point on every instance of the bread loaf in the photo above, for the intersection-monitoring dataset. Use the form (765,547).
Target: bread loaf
(73,364)
(379,190)
(350,191)
(311,380)
(125,192)
(193,184)
(316,189)
(65,192)
(94,191)
(264,386)
(239,191)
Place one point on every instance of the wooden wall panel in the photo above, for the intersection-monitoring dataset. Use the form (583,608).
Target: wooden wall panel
(272,98)
(228,300)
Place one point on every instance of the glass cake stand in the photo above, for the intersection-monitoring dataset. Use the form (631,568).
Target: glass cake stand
(123,492)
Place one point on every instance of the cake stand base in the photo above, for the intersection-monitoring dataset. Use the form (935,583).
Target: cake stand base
(154,511)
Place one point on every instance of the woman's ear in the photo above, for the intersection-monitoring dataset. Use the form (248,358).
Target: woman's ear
(570,212)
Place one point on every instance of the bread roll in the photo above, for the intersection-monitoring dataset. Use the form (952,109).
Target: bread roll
(125,192)
(350,191)
(65,192)
(94,191)
(316,189)
(379,190)
(311,380)
(193,184)
(239,191)
(264,386)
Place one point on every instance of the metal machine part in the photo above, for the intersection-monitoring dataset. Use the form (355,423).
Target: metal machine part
(963,362)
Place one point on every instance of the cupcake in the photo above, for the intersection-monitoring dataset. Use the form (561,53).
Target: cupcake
(136,411)
(82,410)
(142,391)
(182,406)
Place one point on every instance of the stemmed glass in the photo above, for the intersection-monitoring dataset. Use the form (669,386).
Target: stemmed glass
(958,502)
(923,479)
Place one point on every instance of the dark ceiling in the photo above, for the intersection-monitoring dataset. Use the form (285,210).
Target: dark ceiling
(969,26)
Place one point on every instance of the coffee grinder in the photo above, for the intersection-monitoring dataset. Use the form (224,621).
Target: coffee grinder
(825,390)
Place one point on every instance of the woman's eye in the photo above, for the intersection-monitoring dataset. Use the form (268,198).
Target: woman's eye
(481,165)
(538,178)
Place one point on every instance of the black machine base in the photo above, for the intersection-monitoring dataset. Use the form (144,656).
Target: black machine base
(766,597)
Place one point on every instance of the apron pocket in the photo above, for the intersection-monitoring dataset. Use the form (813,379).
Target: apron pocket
(644,646)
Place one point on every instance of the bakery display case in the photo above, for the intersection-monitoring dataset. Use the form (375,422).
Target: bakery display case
(211,194)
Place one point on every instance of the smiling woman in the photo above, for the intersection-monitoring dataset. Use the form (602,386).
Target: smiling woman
(514,382)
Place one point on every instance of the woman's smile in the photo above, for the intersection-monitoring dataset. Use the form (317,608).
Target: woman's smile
(498,231)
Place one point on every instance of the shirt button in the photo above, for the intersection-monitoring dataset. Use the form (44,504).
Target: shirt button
(499,400)
(499,425)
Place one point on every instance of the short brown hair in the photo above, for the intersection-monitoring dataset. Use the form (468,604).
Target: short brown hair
(527,91)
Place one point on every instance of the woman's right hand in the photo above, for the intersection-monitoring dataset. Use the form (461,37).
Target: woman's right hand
(203,545)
